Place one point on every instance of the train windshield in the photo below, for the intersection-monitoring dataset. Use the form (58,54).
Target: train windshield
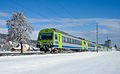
(46,36)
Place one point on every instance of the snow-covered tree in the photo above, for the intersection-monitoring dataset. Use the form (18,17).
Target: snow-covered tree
(19,29)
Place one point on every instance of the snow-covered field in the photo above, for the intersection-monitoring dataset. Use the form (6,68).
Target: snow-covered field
(72,63)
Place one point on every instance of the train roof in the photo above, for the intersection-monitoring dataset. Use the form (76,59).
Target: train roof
(56,30)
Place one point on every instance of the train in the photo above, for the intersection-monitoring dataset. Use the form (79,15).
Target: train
(51,39)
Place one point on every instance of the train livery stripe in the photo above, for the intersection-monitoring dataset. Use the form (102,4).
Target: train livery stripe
(67,47)
(71,47)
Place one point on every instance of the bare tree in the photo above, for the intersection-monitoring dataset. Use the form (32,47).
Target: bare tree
(19,29)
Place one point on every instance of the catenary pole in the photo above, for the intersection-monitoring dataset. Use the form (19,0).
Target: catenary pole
(97,36)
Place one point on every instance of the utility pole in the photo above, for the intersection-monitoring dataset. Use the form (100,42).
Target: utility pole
(97,36)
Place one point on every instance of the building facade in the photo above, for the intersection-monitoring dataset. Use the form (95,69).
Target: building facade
(108,43)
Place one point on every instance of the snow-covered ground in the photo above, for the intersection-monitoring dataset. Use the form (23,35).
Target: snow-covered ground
(72,63)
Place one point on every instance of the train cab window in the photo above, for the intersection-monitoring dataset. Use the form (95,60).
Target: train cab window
(56,36)
(46,36)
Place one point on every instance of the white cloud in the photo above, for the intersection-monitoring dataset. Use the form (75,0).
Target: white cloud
(3,14)
(2,22)
(100,31)
(3,30)
(111,23)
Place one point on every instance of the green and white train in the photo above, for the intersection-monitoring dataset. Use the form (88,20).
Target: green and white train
(51,39)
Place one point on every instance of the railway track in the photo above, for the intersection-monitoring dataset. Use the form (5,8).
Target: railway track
(28,53)
(15,54)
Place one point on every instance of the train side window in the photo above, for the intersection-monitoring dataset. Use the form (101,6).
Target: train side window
(80,42)
(65,40)
(92,45)
(70,40)
(76,42)
(62,39)
(56,36)
(84,42)
(73,41)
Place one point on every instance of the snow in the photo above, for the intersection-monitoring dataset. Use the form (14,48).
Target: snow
(65,63)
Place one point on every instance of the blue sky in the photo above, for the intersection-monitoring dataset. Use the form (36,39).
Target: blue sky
(77,17)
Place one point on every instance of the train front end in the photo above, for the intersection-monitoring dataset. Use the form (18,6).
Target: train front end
(45,39)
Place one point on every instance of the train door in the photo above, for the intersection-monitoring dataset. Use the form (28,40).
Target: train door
(86,45)
(95,47)
(59,40)
(82,45)
(101,48)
